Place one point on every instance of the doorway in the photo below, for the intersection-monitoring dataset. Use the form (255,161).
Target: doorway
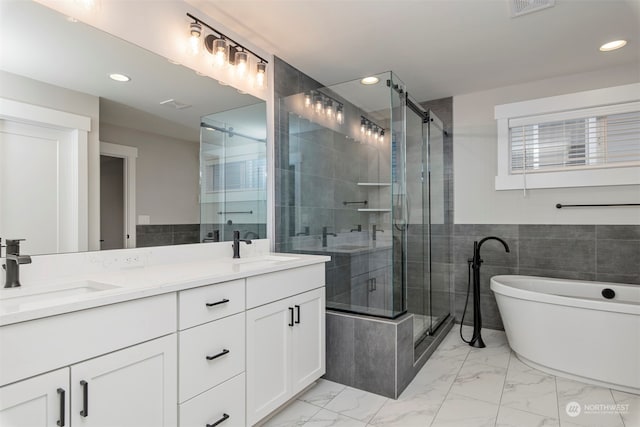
(112,218)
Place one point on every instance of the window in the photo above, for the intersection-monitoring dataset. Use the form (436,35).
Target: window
(579,145)
(236,175)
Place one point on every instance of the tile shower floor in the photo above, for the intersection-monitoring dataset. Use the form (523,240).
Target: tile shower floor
(461,386)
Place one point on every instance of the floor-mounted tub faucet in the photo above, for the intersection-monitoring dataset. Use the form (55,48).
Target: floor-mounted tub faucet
(475,263)
(13,262)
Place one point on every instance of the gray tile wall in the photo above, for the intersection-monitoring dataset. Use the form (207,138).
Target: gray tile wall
(168,234)
(609,253)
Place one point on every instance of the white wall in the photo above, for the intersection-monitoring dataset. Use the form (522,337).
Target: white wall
(475,161)
(31,91)
(167,174)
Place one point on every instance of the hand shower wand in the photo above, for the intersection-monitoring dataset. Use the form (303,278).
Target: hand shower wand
(475,263)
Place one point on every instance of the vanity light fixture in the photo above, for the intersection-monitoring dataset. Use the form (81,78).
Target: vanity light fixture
(339,114)
(119,77)
(227,52)
(370,80)
(372,130)
(195,31)
(616,44)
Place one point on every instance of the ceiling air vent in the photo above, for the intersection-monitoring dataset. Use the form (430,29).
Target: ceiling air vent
(175,104)
(522,7)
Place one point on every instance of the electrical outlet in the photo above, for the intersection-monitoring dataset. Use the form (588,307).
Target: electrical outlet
(134,260)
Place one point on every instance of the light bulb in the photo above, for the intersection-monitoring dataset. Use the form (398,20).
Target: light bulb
(328,108)
(381,136)
(363,125)
(242,61)
(195,30)
(307,100)
(339,115)
(219,52)
(318,104)
(369,129)
(261,70)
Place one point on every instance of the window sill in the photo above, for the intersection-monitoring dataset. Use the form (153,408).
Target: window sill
(573,178)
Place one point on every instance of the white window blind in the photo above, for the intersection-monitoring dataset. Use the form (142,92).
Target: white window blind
(597,139)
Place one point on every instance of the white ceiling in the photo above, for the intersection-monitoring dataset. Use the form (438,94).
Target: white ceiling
(437,47)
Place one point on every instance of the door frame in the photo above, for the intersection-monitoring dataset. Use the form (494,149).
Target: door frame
(129,156)
(77,212)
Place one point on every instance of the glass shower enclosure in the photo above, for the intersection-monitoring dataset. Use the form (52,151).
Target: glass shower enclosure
(359,177)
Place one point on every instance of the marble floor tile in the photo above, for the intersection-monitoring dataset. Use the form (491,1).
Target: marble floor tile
(529,390)
(587,398)
(461,411)
(508,417)
(357,404)
(437,373)
(416,410)
(480,381)
(322,392)
(631,413)
(494,354)
(295,414)
(326,418)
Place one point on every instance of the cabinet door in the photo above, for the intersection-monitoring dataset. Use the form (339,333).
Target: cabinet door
(308,343)
(269,329)
(41,401)
(134,387)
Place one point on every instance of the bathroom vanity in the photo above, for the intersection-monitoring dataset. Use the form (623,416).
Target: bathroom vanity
(166,336)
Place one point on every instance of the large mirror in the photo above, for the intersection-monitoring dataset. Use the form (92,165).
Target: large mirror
(90,163)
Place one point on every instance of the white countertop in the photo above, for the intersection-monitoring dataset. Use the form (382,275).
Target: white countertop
(141,282)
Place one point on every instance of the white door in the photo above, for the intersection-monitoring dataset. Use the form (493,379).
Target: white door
(134,387)
(41,401)
(269,330)
(308,344)
(39,188)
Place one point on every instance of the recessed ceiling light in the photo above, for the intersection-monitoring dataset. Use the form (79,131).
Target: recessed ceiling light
(119,77)
(617,44)
(369,80)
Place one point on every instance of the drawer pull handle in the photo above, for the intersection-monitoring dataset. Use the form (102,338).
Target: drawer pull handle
(85,398)
(297,314)
(211,304)
(224,418)
(291,316)
(215,356)
(62,393)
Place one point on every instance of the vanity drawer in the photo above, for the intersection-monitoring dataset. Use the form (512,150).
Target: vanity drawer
(223,401)
(207,303)
(210,354)
(269,287)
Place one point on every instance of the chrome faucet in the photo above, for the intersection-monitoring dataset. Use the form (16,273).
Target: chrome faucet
(236,243)
(324,236)
(13,262)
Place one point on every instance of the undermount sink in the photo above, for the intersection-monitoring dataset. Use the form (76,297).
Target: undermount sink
(30,297)
(262,261)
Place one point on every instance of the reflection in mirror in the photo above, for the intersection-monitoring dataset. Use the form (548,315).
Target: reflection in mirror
(89,163)
(233,174)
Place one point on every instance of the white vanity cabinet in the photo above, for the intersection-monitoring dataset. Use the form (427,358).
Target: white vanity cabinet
(212,355)
(133,387)
(285,338)
(41,401)
(125,355)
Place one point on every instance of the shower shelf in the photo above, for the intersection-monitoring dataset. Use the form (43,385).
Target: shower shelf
(374,210)
(374,184)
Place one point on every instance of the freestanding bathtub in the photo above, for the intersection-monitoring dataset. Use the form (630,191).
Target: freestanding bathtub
(568,328)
